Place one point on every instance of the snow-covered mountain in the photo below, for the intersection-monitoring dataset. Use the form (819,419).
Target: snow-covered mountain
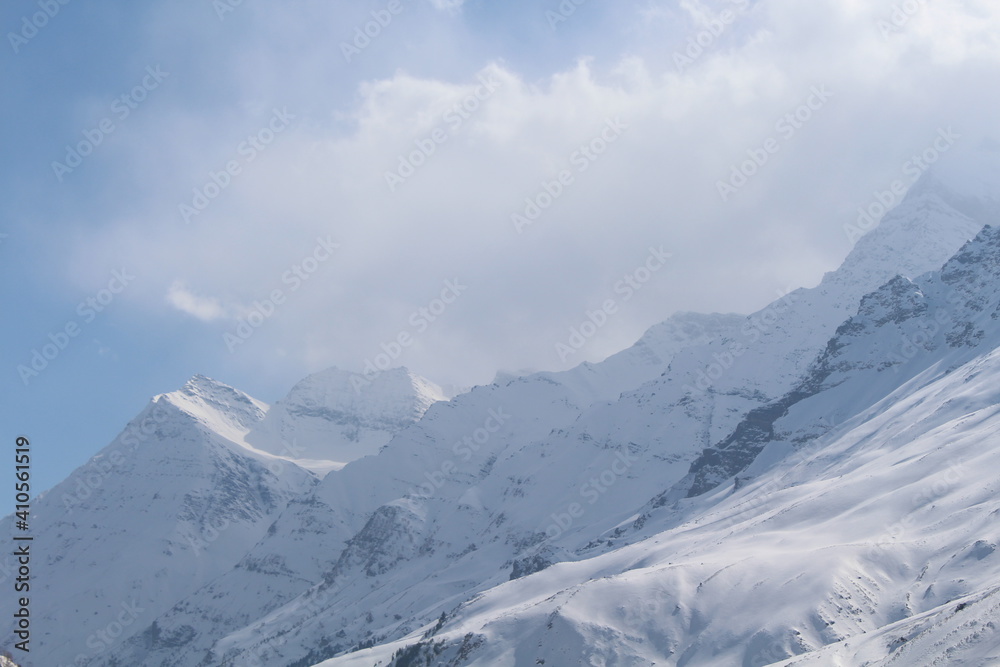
(863,532)
(530,502)
(811,484)
(337,416)
(174,502)
(354,507)
(178,500)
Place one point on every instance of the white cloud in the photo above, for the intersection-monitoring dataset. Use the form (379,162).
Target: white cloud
(655,185)
(186,301)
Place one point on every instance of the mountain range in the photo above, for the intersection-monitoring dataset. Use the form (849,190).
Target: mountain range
(811,484)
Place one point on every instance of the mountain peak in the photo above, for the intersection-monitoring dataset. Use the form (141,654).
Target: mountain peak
(917,236)
(613,505)
(217,405)
(202,384)
(947,205)
(968,178)
(337,416)
(396,390)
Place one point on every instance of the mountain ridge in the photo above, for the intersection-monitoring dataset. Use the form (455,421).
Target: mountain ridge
(522,521)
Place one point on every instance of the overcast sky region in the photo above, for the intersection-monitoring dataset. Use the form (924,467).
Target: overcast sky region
(255,191)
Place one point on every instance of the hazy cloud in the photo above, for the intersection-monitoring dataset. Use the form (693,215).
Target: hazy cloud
(203,308)
(418,177)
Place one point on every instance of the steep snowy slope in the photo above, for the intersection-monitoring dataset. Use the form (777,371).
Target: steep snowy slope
(690,464)
(172,503)
(181,497)
(709,388)
(775,346)
(961,633)
(518,504)
(335,416)
(875,540)
(450,445)
(969,180)
(903,326)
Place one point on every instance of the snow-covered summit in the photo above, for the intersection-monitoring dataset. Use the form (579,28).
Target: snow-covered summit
(916,236)
(947,205)
(933,324)
(216,405)
(967,178)
(338,416)
(172,503)
(392,396)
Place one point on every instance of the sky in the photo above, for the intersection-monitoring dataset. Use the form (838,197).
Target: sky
(257,191)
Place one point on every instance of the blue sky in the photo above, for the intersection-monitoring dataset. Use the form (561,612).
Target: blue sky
(328,130)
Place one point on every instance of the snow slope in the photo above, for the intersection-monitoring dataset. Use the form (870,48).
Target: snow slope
(169,505)
(349,503)
(809,482)
(874,542)
(526,500)
(335,416)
